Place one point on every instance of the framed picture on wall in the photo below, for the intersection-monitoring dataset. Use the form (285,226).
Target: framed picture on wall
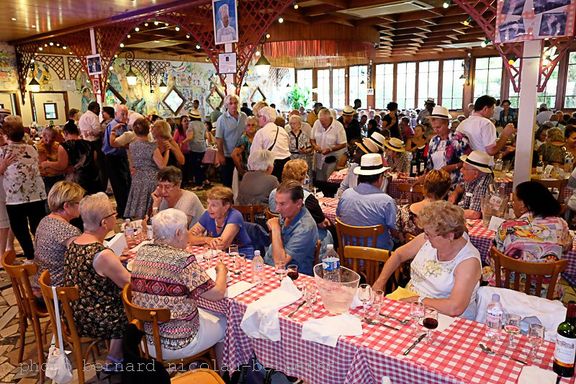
(50,111)
(174,100)
(94,65)
(225,20)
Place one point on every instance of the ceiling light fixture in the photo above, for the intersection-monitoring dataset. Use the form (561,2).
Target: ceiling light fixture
(187,36)
(262,65)
(121,45)
(177,29)
(40,48)
(267,35)
(137,29)
(198,46)
(446,3)
(163,87)
(145,24)
(64,47)
(33,26)
(296,6)
(129,36)
(468,21)
(156,23)
(512,60)
(281,20)
(34,85)
(131,77)
(485,43)
(13,19)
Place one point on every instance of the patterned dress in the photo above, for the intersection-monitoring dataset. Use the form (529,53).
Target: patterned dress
(99,311)
(167,277)
(446,152)
(143,181)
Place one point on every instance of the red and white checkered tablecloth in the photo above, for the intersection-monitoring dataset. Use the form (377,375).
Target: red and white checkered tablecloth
(454,357)
(328,205)
(337,177)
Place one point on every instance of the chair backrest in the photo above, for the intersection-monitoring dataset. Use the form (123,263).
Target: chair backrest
(535,273)
(65,296)
(559,184)
(414,192)
(317,252)
(369,261)
(198,376)
(251,212)
(363,236)
(154,316)
(20,277)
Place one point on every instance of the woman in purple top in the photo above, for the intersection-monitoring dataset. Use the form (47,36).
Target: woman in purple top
(221,225)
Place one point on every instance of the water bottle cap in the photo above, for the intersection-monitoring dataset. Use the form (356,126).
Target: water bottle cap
(256,253)
(496,297)
(329,246)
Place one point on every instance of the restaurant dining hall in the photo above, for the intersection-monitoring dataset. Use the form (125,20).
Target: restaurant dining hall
(288,191)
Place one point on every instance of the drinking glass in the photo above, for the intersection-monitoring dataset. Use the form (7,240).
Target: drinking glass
(417,314)
(239,262)
(233,250)
(430,322)
(280,269)
(309,296)
(512,328)
(535,337)
(378,301)
(366,296)
(292,271)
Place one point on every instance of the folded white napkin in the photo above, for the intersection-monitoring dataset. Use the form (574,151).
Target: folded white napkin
(444,322)
(235,289)
(535,375)
(117,243)
(328,329)
(261,317)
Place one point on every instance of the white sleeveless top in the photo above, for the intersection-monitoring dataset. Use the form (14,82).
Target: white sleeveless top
(433,278)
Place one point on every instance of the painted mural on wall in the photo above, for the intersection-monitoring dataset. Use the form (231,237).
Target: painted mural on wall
(8,75)
(84,88)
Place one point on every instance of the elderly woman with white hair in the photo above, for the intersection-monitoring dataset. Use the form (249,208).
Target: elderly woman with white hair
(164,272)
(257,184)
(99,276)
(272,138)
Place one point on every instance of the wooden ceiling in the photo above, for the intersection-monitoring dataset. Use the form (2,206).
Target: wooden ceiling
(402,28)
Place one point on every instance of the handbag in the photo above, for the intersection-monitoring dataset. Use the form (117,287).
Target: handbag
(255,373)
(58,366)
(209,156)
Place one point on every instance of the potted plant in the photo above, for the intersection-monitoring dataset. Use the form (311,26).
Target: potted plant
(298,97)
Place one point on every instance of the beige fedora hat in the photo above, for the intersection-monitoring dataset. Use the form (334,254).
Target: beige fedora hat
(479,160)
(395,144)
(370,164)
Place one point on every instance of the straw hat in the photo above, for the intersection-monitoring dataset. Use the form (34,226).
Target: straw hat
(395,144)
(368,146)
(378,139)
(430,100)
(348,111)
(370,164)
(440,112)
(195,114)
(479,160)
(5,111)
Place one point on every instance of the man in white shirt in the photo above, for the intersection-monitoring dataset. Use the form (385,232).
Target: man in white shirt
(272,138)
(481,132)
(328,142)
(89,123)
(225,33)
(544,114)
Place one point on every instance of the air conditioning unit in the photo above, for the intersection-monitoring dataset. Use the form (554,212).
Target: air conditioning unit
(387,9)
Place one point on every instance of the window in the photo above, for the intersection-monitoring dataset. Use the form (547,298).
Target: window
(406,86)
(549,95)
(324,86)
(570,100)
(427,81)
(452,84)
(338,88)
(304,78)
(487,77)
(358,80)
(384,84)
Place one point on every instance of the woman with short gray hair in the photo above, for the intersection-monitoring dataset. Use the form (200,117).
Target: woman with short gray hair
(258,182)
(159,271)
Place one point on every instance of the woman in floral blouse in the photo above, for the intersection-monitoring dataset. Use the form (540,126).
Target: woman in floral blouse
(25,192)
(538,234)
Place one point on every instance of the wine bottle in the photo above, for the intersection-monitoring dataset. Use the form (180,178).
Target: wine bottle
(566,344)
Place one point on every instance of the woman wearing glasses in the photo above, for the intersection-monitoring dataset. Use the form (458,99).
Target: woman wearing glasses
(99,276)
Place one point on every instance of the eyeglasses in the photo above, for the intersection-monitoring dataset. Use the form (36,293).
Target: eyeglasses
(166,186)
(110,215)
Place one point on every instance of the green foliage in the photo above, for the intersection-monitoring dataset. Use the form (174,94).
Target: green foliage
(298,97)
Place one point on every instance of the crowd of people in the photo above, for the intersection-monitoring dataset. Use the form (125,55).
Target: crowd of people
(268,160)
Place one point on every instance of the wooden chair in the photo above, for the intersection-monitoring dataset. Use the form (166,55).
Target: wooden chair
(81,346)
(364,236)
(251,212)
(559,184)
(317,252)
(415,192)
(534,272)
(369,261)
(198,376)
(140,315)
(29,310)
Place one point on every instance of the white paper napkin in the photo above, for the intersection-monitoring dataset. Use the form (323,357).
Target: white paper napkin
(117,243)
(328,329)
(535,375)
(235,289)
(261,317)
(444,322)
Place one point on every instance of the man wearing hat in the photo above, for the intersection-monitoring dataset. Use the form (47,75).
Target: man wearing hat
(372,144)
(429,105)
(351,126)
(396,157)
(477,176)
(481,132)
(366,204)
(446,147)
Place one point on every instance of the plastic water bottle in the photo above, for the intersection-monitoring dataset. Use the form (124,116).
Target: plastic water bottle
(129,233)
(494,317)
(149,230)
(499,164)
(257,267)
(331,264)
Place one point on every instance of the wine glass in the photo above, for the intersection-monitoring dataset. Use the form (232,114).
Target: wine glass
(309,296)
(280,270)
(378,301)
(292,271)
(430,322)
(535,337)
(366,296)
(239,262)
(512,328)
(416,313)
(233,250)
